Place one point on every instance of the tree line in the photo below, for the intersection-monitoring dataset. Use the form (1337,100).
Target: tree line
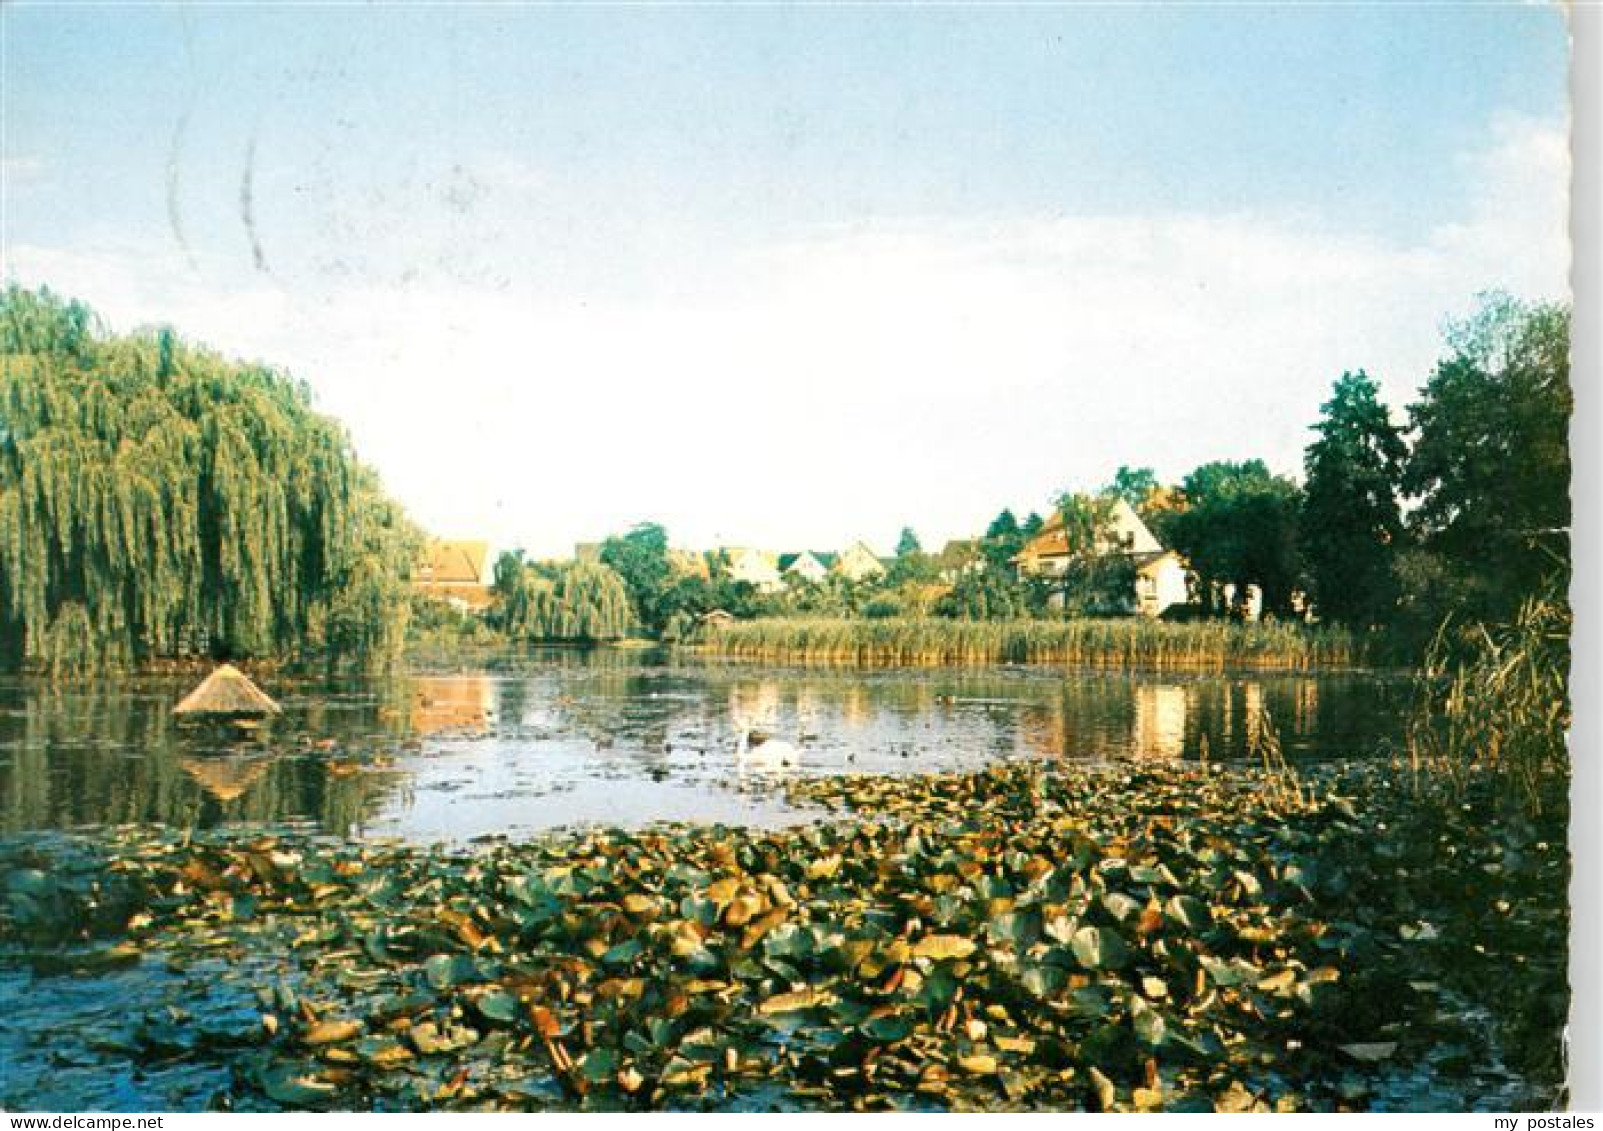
(158,500)
(1458,510)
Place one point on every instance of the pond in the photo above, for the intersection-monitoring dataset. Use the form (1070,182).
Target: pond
(562,738)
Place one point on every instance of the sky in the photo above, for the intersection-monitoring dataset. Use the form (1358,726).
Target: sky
(790,276)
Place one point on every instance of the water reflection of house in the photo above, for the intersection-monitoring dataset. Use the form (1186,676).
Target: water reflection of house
(1160,721)
(1252,715)
(1042,730)
(754,705)
(461,704)
(456,573)
(855,705)
(226,779)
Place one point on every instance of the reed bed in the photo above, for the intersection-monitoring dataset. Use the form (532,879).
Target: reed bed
(1099,643)
(1496,699)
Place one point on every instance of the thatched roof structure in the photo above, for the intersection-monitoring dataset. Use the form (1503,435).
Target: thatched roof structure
(227,693)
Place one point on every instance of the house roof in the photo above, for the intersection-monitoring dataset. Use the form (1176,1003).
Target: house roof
(1144,562)
(1127,528)
(455,563)
(822,557)
(959,550)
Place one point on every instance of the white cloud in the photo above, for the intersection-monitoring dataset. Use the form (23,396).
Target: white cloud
(837,385)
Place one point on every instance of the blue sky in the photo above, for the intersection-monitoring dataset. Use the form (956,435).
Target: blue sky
(787,275)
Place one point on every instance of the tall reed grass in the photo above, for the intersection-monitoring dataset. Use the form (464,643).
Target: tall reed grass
(1496,699)
(1102,643)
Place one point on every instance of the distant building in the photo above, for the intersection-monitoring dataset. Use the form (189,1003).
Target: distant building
(688,563)
(757,568)
(808,565)
(958,557)
(716,619)
(1161,575)
(456,573)
(858,563)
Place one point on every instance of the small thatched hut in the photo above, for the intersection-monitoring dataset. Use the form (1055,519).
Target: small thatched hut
(227,693)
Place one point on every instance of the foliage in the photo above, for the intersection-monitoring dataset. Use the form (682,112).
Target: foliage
(1495,699)
(984,594)
(1098,578)
(1094,642)
(640,558)
(436,626)
(158,500)
(1134,485)
(1351,525)
(1240,528)
(911,566)
(1490,464)
(883,607)
(1003,540)
(561,601)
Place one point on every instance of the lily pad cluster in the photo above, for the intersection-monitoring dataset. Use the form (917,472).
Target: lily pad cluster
(1017,938)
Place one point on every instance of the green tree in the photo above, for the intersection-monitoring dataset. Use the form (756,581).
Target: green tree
(911,566)
(159,500)
(1134,485)
(1098,578)
(640,557)
(578,601)
(1490,464)
(983,594)
(1240,528)
(1003,540)
(1351,525)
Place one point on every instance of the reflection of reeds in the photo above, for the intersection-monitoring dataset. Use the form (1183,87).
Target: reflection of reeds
(1496,698)
(1282,784)
(1102,643)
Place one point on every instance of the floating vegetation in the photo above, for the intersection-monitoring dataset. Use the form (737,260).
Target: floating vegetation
(1127,643)
(1177,939)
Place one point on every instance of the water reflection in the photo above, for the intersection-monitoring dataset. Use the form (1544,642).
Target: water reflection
(616,738)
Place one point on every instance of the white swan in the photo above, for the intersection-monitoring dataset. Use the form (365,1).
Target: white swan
(764,753)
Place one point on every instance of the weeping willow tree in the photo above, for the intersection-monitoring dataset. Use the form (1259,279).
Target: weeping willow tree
(582,601)
(159,500)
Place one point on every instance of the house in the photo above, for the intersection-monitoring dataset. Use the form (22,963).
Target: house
(1161,582)
(958,557)
(808,565)
(757,568)
(456,573)
(715,619)
(1161,575)
(858,563)
(688,563)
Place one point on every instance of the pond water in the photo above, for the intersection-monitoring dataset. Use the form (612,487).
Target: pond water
(567,738)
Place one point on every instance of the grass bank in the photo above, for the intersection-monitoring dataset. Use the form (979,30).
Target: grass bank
(1117,644)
